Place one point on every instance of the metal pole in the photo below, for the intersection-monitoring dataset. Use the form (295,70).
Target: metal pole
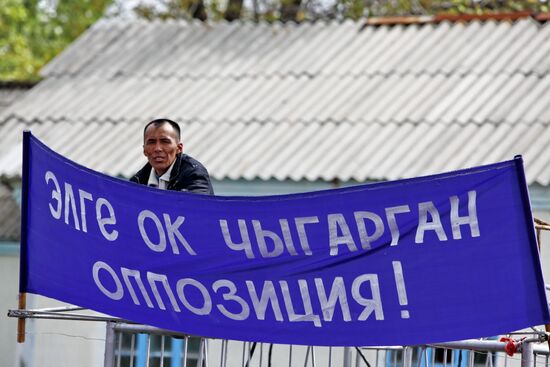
(307,356)
(422,354)
(162,351)
(490,359)
(261,353)
(148,354)
(119,350)
(205,352)
(110,337)
(407,357)
(290,356)
(185,350)
(132,347)
(347,357)
(201,351)
(527,355)
(225,347)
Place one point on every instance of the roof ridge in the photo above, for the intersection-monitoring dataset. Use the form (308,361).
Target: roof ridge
(457,18)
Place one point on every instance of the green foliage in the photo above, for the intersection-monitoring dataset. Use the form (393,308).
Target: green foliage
(274,10)
(430,7)
(31,33)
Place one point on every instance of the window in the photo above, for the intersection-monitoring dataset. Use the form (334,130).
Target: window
(133,349)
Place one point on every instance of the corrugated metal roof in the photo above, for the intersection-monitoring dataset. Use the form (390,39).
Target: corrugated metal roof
(297,150)
(10,94)
(194,50)
(313,101)
(437,99)
(10,216)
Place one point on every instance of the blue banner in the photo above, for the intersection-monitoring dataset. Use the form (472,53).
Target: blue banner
(430,259)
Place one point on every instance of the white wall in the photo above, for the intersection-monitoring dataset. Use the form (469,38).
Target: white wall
(9,276)
(55,343)
(62,343)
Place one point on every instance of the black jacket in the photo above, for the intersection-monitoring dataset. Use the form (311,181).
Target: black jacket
(188,174)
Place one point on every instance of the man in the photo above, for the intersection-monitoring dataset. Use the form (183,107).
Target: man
(168,168)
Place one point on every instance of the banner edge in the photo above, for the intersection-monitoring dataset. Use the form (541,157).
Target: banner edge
(518,160)
(23,251)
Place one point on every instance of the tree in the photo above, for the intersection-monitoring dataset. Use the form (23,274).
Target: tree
(299,10)
(233,10)
(32,32)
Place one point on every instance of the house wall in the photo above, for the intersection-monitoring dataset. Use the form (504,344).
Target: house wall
(55,343)
(9,278)
(61,343)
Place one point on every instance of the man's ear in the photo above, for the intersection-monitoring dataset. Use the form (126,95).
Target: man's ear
(145,154)
(180,147)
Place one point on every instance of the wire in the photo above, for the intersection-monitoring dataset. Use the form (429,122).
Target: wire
(67,335)
(251,354)
(362,356)
(269,355)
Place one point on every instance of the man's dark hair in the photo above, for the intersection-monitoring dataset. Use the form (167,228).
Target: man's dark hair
(162,121)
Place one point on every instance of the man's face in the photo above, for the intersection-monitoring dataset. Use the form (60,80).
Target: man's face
(160,146)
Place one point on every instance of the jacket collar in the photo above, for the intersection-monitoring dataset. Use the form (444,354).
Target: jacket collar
(142,176)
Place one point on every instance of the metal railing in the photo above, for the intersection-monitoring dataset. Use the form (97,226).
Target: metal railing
(133,345)
(130,345)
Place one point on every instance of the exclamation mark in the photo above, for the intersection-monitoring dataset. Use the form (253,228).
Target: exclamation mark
(400,284)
